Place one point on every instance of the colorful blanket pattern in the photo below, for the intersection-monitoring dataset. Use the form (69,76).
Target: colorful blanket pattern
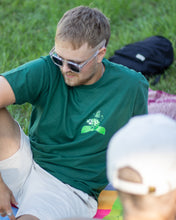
(109,205)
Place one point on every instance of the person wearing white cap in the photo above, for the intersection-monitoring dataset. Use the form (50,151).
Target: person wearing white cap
(141,165)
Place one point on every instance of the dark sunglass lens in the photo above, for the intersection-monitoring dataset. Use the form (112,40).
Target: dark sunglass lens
(57,61)
(73,68)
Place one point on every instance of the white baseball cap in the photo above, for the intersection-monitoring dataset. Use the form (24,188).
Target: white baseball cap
(146,144)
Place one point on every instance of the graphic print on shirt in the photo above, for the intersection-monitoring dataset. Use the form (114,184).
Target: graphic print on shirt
(93,124)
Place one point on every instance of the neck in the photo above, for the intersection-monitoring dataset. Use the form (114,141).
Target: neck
(101,70)
(147,217)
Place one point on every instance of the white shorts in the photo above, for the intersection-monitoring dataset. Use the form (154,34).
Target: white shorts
(40,194)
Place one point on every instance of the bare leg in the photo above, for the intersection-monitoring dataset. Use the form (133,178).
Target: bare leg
(9,135)
(27,217)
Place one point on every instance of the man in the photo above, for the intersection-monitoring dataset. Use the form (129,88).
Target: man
(79,100)
(141,162)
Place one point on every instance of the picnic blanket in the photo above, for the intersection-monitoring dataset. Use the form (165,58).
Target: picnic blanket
(109,205)
(162,102)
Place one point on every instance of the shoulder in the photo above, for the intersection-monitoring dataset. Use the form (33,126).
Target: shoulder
(42,62)
(124,73)
(41,67)
(32,66)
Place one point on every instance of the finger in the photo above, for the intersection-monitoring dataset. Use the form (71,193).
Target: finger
(13,200)
(10,215)
(3,214)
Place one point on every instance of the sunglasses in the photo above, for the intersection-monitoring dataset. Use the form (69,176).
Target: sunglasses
(74,67)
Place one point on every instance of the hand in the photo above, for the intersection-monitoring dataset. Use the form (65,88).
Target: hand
(6,199)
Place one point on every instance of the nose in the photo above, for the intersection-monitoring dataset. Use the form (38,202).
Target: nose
(65,68)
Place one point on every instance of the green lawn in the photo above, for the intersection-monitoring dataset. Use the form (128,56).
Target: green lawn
(27,30)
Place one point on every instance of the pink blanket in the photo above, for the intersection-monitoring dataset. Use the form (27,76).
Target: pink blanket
(162,102)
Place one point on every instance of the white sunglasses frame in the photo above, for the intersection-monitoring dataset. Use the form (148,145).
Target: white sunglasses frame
(52,54)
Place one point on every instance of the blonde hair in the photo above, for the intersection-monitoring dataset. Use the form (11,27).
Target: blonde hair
(83,25)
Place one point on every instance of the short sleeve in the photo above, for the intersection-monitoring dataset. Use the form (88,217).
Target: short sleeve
(31,80)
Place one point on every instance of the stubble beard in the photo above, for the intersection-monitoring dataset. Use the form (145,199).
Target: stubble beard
(73,80)
(76,80)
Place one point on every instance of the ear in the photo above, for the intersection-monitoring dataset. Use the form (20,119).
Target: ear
(101,54)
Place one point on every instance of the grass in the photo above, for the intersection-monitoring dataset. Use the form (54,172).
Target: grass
(27,30)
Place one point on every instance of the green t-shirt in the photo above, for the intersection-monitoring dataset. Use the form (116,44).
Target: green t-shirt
(70,127)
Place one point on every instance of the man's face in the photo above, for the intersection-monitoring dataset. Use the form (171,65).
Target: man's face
(89,74)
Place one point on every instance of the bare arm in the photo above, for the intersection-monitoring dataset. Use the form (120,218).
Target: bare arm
(7,96)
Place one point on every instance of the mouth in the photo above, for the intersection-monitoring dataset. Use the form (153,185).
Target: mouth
(69,75)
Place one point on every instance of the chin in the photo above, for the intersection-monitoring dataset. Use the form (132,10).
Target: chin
(71,83)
